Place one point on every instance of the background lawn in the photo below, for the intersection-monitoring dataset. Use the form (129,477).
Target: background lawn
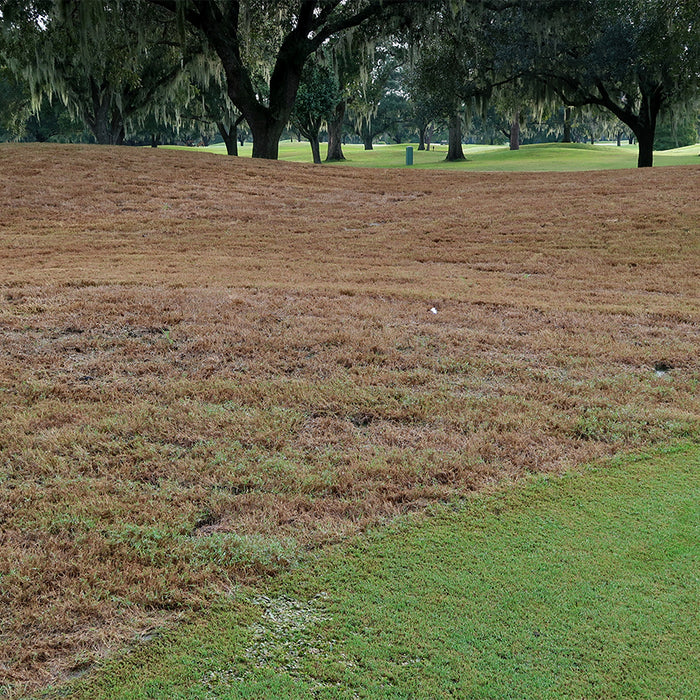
(536,157)
(567,587)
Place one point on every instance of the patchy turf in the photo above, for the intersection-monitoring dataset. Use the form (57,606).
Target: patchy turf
(582,586)
(208,365)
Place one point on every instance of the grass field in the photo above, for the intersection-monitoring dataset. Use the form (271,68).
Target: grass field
(210,367)
(539,157)
(577,587)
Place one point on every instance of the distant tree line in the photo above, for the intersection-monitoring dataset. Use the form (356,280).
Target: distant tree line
(497,71)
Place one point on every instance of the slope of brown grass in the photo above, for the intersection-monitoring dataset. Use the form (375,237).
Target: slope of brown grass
(208,365)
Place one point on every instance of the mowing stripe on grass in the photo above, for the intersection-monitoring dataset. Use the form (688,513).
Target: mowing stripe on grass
(582,586)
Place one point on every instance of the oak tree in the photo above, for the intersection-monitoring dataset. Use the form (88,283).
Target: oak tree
(275,39)
(635,58)
(315,103)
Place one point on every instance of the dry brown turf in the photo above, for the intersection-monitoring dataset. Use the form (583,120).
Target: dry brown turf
(208,365)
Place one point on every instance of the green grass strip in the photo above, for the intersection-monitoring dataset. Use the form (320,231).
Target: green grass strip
(581,586)
(479,158)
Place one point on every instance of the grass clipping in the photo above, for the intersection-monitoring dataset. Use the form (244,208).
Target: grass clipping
(208,365)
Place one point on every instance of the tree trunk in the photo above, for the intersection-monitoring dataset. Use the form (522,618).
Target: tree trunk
(101,128)
(515,131)
(266,122)
(108,134)
(155,140)
(105,120)
(230,137)
(454,149)
(643,124)
(366,136)
(566,138)
(267,132)
(315,149)
(645,141)
(646,128)
(335,133)
(421,137)
(428,136)
(335,147)
(98,120)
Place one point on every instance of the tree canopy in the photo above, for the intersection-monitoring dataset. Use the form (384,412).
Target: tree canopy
(316,100)
(634,58)
(275,40)
(128,64)
(106,72)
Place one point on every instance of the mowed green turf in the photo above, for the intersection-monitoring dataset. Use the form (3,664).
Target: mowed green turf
(581,586)
(536,157)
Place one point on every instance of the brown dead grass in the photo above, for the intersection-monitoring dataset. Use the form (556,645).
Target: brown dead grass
(210,364)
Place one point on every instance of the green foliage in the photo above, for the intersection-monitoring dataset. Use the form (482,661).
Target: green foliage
(53,122)
(676,134)
(435,81)
(636,58)
(111,64)
(317,97)
(15,106)
(375,105)
(49,121)
(120,66)
(263,48)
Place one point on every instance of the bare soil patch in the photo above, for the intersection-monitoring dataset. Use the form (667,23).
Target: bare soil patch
(208,365)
